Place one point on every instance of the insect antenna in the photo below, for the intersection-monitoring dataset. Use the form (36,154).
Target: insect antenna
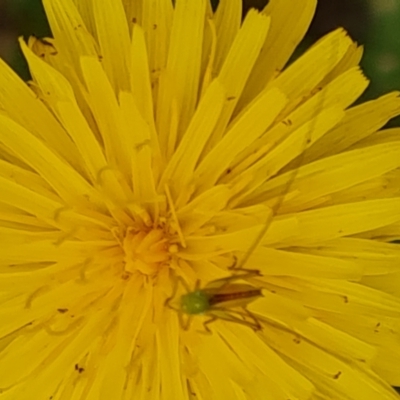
(240,265)
(293,165)
(298,126)
(185,324)
(267,223)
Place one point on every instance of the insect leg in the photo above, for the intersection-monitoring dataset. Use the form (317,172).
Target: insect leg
(206,323)
(247,274)
(238,317)
(257,324)
(184,325)
(251,272)
(168,299)
(235,262)
(178,280)
(234,267)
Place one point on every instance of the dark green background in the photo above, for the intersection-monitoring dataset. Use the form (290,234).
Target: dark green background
(377,29)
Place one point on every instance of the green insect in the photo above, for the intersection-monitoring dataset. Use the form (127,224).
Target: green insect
(225,299)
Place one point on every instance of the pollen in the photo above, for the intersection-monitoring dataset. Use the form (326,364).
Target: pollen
(146,251)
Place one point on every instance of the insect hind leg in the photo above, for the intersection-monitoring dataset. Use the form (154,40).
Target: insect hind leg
(235,263)
(245,274)
(178,279)
(185,325)
(257,326)
(234,267)
(207,330)
(238,317)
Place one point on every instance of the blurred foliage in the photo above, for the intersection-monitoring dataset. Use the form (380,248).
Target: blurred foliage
(374,23)
(21,18)
(30,16)
(382,55)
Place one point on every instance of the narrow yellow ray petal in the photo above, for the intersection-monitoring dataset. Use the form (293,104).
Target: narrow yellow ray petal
(359,122)
(171,379)
(378,330)
(37,118)
(227,22)
(140,76)
(156,21)
(285,152)
(85,10)
(50,251)
(106,113)
(184,58)
(100,172)
(246,129)
(287,263)
(388,282)
(287,30)
(69,30)
(283,380)
(141,334)
(208,57)
(327,223)
(140,151)
(239,63)
(133,10)
(336,295)
(15,218)
(296,80)
(330,374)
(75,124)
(215,372)
(387,365)
(26,178)
(346,346)
(44,298)
(63,179)
(333,174)
(201,247)
(350,85)
(34,350)
(375,258)
(203,208)
(69,349)
(114,40)
(52,212)
(181,167)
(111,369)
(12,236)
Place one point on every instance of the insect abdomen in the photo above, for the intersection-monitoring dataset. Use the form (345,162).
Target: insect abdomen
(224,297)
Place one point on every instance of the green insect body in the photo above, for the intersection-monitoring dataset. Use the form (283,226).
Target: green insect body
(220,299)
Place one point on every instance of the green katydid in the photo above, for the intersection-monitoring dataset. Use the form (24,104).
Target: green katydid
(224,299)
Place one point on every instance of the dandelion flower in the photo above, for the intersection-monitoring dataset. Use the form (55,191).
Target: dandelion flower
(155,142)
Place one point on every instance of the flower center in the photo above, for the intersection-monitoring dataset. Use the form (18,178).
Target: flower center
(146,251)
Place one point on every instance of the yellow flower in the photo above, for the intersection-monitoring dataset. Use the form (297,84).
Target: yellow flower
(154,145)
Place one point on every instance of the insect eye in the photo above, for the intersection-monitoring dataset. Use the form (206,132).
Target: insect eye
(195,302)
